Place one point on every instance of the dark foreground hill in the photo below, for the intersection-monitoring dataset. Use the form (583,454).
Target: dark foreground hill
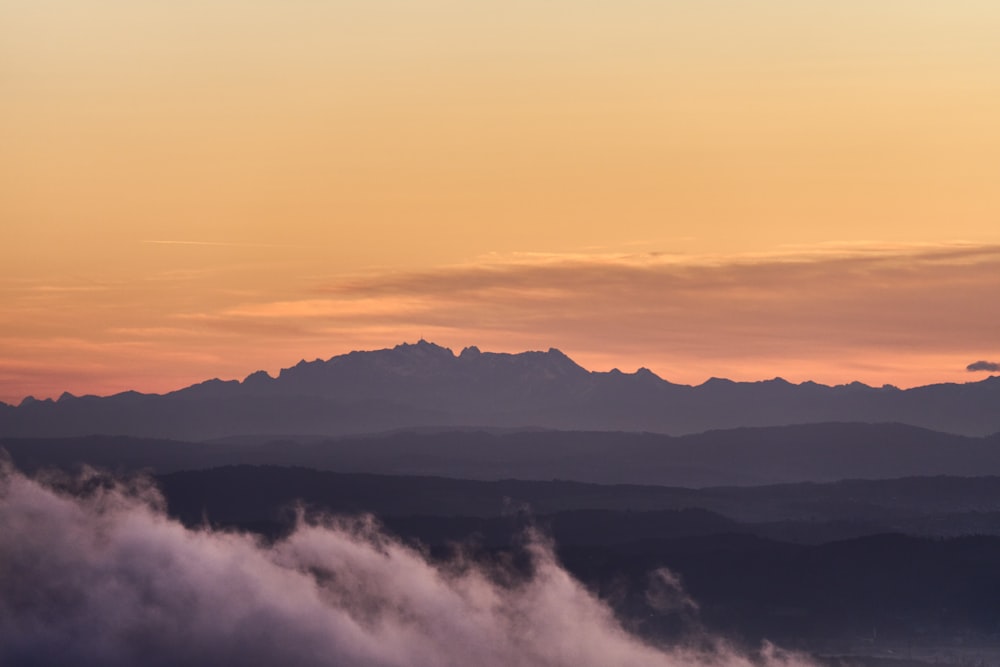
(426,385)
(751,456)
(882,594)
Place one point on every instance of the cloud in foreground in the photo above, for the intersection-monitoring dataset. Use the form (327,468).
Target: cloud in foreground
(108,579)
(989,366)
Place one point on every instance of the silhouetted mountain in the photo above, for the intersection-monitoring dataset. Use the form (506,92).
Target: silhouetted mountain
(427,385)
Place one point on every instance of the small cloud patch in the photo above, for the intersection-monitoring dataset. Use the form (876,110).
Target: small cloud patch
(988,366)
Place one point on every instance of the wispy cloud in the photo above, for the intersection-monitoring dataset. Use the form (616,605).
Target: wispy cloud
(332,308)
(222,244)
(62,289)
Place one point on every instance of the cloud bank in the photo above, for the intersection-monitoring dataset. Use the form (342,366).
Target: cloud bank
(108,579)
(906,315)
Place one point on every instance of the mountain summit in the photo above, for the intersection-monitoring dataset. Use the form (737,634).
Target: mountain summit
(394,373)
(426,385)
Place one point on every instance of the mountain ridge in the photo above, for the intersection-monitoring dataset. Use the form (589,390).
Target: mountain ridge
(424,384)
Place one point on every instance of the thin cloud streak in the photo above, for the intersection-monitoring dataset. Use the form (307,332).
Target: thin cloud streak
(222,244)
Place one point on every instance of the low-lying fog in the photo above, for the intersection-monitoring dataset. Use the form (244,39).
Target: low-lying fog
(105,577)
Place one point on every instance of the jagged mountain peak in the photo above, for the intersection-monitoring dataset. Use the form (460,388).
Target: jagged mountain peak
(470,352)
(424,371)
(258,377)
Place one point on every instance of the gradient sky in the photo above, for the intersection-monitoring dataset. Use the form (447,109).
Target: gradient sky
(740,189)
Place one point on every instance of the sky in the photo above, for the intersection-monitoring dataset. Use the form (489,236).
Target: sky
(704,188)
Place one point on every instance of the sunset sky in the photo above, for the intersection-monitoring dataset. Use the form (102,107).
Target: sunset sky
(805,189)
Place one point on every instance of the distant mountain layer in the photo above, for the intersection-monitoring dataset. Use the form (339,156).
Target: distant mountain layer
(425,385)
(255,495)
(749,456)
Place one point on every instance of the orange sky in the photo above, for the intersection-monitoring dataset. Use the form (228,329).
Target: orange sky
(754,189)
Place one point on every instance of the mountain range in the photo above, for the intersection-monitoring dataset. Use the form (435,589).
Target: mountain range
(426,385)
